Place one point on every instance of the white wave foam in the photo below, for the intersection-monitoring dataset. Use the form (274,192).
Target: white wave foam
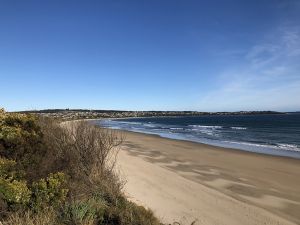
(239,128)
(210,132)
(289,147)
(208,127)
(125,122)
(149,125)
(250,144)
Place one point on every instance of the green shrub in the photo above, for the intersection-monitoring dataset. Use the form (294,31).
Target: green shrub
(14,192)
(128,213)
(7,167)
(90,211)
(10,136)
(20,138)
(50,191)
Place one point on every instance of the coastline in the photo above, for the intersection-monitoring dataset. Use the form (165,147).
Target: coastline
(234,135)
(218,147)
(187,181)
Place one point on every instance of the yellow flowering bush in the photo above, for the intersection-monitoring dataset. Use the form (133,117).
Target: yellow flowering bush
(6,167)
(21,140)
(14,191)
(20,137)
(49,191)
(10,135)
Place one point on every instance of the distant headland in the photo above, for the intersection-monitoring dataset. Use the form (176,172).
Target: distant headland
(73,114)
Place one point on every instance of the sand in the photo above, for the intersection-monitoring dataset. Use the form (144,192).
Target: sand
(185,182)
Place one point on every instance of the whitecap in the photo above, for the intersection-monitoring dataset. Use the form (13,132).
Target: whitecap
(288,147)
(206,126)
(176,128)
(239,128)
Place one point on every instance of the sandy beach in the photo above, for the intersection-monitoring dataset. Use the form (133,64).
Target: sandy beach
(185,182)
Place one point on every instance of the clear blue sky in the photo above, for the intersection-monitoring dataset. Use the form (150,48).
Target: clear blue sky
(150,55)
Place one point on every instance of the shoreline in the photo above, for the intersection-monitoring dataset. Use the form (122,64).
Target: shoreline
(217,147)
(266,185)
(279,148)
(214,146)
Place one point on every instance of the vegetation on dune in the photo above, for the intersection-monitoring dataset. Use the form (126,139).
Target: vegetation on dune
(53,173)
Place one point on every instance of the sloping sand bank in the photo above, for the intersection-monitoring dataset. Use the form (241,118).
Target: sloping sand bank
(185,182)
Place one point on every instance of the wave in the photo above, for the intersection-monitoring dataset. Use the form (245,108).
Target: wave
(286,147)
(149,125)
(206,126)
(240,137)
(125,122)
(250,144)
(239,128)
(176,128)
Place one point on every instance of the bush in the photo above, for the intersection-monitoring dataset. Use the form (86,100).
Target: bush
(90,211)
(91,151)
(14,191)
(97,210)
(49,192)
(21,140)
(17,133)
(7,168)
(37,155)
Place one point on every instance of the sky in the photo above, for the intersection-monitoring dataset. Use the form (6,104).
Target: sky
(197,55)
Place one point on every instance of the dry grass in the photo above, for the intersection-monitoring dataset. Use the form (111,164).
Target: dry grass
(29,218)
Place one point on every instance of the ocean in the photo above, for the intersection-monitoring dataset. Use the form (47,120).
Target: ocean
(268,134)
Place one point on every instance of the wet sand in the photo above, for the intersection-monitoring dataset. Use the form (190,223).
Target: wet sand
(185,182)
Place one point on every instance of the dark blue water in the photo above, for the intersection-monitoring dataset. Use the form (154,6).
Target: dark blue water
(268,134)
